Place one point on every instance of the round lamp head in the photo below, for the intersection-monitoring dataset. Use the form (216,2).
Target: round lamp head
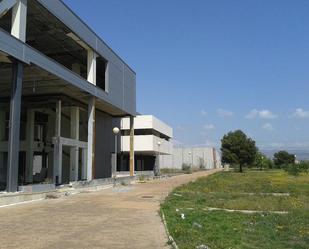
(116,130)
(159,143)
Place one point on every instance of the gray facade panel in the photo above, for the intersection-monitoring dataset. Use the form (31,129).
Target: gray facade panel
(104,144)
(129,89)
(116,84)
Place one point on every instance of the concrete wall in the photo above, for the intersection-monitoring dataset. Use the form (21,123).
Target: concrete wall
(147,143)
(148,122)
(204,156)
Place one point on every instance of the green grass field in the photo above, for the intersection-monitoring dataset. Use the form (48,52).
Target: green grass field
(248,191)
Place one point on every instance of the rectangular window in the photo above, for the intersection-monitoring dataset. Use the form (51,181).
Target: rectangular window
(102,73)
(143,132)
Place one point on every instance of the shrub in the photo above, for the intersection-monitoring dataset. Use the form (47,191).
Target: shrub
(171,171)
(283,158)
(201,163)
(186,168)
(262,161)
(296,169)
(292,169)
(304,166)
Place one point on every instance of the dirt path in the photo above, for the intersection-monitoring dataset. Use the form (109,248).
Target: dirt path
(121,217)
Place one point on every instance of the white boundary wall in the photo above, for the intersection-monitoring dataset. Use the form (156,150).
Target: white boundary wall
(207,157)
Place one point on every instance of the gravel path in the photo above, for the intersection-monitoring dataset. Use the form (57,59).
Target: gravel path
(121,217)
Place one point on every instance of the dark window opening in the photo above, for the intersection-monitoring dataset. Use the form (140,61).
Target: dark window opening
(141,162)
(101,73)
(143,132)
(6,21)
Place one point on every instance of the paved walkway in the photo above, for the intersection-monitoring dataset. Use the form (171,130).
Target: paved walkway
(121,217)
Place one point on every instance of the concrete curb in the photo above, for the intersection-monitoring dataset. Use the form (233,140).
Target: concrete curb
(174,245)
(245,211)
(18,198)
(11,199)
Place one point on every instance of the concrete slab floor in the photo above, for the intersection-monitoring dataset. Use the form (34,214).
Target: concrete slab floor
(111,218)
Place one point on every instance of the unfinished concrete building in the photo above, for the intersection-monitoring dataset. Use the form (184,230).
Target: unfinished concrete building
(61,87)
(152,138)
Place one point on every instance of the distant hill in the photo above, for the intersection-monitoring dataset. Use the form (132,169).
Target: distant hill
(300,154)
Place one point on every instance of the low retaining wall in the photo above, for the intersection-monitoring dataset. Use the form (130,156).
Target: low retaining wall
(37,188)
(35,192)
(8,199)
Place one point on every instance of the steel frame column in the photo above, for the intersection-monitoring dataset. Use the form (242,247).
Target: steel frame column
(91,139)
(14,128)
(91,66)
(19,20)
(84,163)
(2,138)
(74,151)
(58,146)
(91,77)
(30,142)
(50,134)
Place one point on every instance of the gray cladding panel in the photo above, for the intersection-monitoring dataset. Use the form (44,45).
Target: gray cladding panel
(104,143)
(129,89)
(115,84)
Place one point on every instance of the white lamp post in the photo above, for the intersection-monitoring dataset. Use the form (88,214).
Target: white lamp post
(116,132)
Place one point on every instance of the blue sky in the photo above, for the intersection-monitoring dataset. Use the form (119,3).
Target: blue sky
(208,67)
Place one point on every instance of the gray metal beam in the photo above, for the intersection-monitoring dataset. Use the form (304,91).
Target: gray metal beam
(14,128)
(27,54)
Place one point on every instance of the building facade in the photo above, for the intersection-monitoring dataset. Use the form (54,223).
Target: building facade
(61,87)
(152,138)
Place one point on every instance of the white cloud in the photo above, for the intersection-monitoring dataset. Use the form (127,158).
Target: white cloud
(301,113)
(224,113)
(203,113)
(252,114)
(263,114)
(277,145)
(209,127)
(266,114)
(268,127)
(286,145)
